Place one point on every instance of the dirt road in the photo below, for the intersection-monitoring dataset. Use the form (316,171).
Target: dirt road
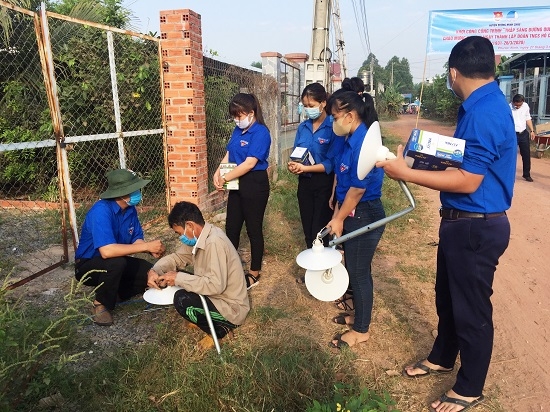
(520,368)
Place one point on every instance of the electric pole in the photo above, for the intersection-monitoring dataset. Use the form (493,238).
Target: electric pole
(318,65)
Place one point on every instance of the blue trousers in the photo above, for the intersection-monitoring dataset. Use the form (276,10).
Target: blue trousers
(467,257)
(358,254)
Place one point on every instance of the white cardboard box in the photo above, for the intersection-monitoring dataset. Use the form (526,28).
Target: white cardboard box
(302,155)
(226,168)
(432,151)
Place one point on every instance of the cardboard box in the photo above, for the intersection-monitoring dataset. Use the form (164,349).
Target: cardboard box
(302,155)
(432,151)
(226,168)
(542,129)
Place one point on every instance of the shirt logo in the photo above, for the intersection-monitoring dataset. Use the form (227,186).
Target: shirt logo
(131,230)
(343,168)
(322,141)
(244,143)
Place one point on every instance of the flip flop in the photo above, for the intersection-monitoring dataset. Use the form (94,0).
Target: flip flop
(461,402)
(427,369)
(339,342)
(340,319)
(251,280)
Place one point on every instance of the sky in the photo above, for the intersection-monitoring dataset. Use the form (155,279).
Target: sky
(239,31)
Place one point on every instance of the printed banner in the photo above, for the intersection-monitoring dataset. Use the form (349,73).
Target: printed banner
(511,30)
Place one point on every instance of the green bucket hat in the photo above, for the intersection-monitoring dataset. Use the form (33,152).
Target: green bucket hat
(122,182)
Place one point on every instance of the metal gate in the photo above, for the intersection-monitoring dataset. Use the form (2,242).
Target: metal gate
(77,100)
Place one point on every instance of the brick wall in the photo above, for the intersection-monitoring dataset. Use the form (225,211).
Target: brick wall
(185,117)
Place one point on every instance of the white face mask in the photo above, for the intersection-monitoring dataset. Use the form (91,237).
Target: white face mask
(450,85)
(244,123)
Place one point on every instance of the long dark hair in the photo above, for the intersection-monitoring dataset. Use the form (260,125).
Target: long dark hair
(246,103)
(346,101)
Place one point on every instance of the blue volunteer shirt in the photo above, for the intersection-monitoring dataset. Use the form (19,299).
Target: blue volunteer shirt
(254,142)
(323,144)
(485,122)
(345,167)
(106,223)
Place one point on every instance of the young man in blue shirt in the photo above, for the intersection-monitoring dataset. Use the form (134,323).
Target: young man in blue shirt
(111,233)
(474,230)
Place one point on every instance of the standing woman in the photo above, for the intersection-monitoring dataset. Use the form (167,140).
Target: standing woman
(249,149)
(315,181)
(358,205)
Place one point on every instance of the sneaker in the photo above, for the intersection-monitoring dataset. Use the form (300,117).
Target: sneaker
(528,178)
(101,315)
(251,280)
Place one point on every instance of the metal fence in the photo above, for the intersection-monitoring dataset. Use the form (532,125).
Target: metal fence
(77,99)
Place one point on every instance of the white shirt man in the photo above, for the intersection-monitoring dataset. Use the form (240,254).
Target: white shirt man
(522,122)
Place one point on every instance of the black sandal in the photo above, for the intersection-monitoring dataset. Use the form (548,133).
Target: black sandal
(345,302)
(251,280)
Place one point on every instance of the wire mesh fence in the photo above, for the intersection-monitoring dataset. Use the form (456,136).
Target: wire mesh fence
(107,83)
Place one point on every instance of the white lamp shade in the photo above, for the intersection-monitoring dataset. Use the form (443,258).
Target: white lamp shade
(161,296)
(327,285)
(372,151)
(318,257)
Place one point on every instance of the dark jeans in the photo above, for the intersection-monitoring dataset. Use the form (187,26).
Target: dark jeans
(358,252)
(189,305)
(247,205)
(524,144)
(467,257)
(124,277)
(313,195)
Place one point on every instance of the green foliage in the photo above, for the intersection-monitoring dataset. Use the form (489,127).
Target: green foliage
(400,74)
(33,346)
(390,101)
(346,400)
(258,65)
(438,102)
(218,91)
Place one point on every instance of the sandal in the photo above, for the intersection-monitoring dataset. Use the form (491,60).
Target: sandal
(251,280)
(339,342)
(340,319)
(425,368)
(461,402)
(345,302)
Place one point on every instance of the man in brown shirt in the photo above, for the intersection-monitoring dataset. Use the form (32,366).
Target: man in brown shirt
(218,273)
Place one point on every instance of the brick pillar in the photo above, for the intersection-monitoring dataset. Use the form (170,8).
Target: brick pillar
(185,115)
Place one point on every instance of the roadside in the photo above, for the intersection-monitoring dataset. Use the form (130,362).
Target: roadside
(519,371)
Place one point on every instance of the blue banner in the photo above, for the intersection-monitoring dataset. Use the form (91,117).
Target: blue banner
(511,30)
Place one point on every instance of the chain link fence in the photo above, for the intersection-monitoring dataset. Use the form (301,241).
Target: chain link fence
(106,88)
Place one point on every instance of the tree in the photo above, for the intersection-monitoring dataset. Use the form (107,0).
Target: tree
(400,74)
(258,65)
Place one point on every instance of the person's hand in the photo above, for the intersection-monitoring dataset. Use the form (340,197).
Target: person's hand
(156,248)
(532,135)
(152,279)
(336,226)
(294,167)
(217,180)
(168,279)
(331,201)
(397,168)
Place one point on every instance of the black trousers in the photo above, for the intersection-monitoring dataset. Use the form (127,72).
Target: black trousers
(189,305)
(121,277)
(313,195)
(247,205)
(467,256)
(524,144)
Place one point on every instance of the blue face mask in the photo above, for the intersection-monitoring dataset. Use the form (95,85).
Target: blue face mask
(135,198)
(189,242)
(313,112)
(450,85)
(300,108)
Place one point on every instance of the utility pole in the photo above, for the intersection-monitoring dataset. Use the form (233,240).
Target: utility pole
(391,78)
(339,38)
(318,65)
